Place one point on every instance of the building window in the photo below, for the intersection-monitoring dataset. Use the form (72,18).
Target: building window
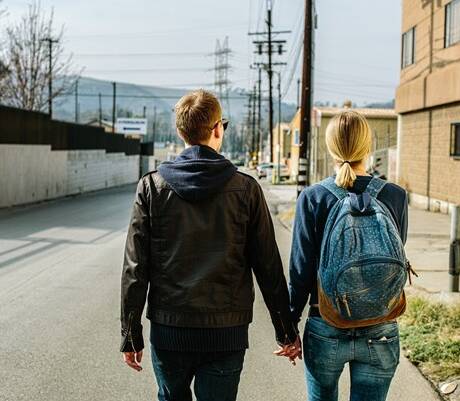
(455,140)
(452,35)
(296,137)
(408,48)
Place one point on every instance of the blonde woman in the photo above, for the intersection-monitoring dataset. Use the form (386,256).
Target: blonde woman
(372,350)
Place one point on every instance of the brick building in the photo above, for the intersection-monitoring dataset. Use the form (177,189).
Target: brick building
(428,101)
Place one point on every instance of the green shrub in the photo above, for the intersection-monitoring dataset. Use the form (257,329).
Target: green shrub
(430,334)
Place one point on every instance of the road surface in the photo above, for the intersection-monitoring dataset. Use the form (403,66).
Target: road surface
(60,265)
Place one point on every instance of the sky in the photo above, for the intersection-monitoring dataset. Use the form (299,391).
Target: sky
(170,42)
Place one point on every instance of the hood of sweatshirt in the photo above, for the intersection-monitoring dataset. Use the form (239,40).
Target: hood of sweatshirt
(197,173)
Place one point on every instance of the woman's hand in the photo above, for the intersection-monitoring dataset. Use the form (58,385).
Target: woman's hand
(291,351)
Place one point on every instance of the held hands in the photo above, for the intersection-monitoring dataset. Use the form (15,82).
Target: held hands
(291,351)
(133,360)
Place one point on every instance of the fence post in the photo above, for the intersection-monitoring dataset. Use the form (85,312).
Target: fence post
(454,252)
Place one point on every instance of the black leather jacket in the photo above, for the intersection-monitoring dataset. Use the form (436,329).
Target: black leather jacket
(195,260)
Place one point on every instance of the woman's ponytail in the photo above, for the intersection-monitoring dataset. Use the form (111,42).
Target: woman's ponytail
(348,140)
(345,175)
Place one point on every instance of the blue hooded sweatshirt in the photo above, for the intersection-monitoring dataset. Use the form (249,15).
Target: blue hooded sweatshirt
(197,173)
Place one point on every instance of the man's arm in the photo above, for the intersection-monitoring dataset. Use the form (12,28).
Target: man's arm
(135,275)
(266,263)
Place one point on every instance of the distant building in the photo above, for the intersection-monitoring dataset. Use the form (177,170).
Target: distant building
(107,125)
(383,123)
(428,101)
(283,131)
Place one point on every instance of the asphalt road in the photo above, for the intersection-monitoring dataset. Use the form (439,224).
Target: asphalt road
(60,265)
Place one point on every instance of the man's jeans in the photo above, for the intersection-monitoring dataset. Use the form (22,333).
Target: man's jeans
(216,374)
(372,353)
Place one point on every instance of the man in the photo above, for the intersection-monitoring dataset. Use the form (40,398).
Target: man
(198,230)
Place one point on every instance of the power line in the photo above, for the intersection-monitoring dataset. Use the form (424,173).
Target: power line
(140,70)
(136,96)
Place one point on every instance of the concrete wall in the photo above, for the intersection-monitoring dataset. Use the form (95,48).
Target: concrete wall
(31,173)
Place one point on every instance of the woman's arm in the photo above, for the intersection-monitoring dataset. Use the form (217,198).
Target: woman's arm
(404,220)
(302,267)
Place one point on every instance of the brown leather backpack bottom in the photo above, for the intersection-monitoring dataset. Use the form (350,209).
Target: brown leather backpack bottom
(330,315)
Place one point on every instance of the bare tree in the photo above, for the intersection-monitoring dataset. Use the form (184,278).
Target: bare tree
(26,56)
(3,69)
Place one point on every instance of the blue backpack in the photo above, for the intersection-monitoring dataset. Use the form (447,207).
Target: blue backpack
(363,266)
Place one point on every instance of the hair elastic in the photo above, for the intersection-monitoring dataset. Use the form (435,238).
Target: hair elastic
(346,161)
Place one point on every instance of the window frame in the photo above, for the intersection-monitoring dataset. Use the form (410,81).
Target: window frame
(455,139)
(296,137)
(448,43)
(412,62)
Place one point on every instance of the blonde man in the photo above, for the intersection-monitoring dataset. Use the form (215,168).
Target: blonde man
(198,230)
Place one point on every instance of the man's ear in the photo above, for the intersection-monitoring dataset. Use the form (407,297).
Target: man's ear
(217,132)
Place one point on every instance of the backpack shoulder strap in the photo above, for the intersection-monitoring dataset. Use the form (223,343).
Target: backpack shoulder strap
(375,186)
(331,186)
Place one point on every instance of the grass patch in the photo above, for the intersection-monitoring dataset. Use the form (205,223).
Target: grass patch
(430,335)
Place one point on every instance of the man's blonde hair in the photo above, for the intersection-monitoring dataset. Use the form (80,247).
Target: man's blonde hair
(349,141)
(196,114)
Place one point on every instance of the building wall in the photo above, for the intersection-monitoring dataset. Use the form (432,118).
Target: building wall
(428,99)
(285,140)
(434,78)
(433,182)
(32,173)
(293,162)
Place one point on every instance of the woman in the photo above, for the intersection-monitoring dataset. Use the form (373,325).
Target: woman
(371,351)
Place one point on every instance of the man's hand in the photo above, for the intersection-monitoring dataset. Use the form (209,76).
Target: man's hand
(133,359)
(291,351)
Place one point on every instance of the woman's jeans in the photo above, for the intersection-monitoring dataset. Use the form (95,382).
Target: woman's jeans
(216,374)
(372,353)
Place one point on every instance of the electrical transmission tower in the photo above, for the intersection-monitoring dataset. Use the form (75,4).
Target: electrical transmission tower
(221,69)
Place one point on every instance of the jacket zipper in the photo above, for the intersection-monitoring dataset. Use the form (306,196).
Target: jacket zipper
(286,338)
(130,336)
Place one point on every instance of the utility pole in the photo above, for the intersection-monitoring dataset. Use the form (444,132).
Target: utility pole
(454,253)
(270,76)
(100,109)
(298,93)
(154,127)
(76,101)
(279,128)
(259,114)
(303,177)
(254,132)
(51,42)
(114,105)
(249,138)
(269,42)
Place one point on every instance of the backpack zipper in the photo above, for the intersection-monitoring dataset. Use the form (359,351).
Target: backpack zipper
(345,302)
(410,271)
(368,261)
(368,288)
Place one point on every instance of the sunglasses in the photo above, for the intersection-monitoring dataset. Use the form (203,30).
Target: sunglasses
(224,122)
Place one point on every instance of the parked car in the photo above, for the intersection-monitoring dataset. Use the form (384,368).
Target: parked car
(264,167)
